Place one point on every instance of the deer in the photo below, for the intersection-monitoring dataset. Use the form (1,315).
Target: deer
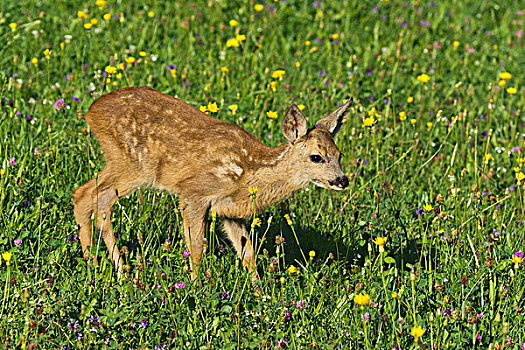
(154,140)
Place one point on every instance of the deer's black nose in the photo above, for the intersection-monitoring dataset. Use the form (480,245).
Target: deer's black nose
(342,181)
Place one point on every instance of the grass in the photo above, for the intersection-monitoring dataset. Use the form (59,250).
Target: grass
(439,177)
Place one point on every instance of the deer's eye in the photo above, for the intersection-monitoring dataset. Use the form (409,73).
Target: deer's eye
(315,158)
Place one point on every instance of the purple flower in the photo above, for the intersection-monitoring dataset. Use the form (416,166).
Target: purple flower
(15,75)
(316,3)
(185,254)
(375,9)
(72,238)
(59,104)
(72,326)
(369,72)
(144,323)
(224,295)
(287,316)
(180,285)
(18,242)
(321,74)
(300,305)
(478,337)
(95,319)
(171,66)
(519,255)
(12,161)
(425,23)
(519,33)
(282,344)
(348,334)
(76,99)
(80,336)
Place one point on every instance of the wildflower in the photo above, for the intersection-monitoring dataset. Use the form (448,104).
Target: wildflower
(429,125)
(380,241)
(212,107)
(258,7)
(281,344)
(233,23)
(143,54)
(410,99)
(334,36)
(59,104)
(520,176)
(233,108)
(100,3)
(224,295)
(307,43)
(7,257)
(300,305)
(288,219)
(369,122)
(107,16)
(297,64)
(88,26)
(203,109)
(517,258)
(232,42)
(455,44)
(253,190)
(417,332)
(47,53)
(488,157)
(110,70)
(502,83)
(428,207)
(12,161)
(180,285)
(413,121)
(362,299)
(512,90)
(394,295)
(12,25)
(505,75)
(151,14)
(130,60)
(82,14)
(18,242)
(2,172)
(256,222)
(34,60)
(94,21)
(271,114)
(312,254)
(185,254)
(144,323)
(292,269)
(402,116)
(240,37)
(301,107)
(424,78)
(278,74)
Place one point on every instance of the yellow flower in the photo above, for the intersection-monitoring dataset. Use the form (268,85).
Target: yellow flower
(12,25)
(297,64)
(258,7)
(520,176)
(110,70)
(253,190)
(203,109)
(368,122)
(404,155)
(82,14)
(100,3)
(424,78)
(428,207)
(119,75)
(307,43)
(271,114)
(130,60)
(413,121)
(362,299)
(121,66)
(410,99)
(213,214)
(34,60)
(301,107)
(224,69)
(232,43)
(212,107)
(312,254)
(417,332)
(278,74)
(505,75)
(7,256)
(516,259)
(94,21)
(394,295)
(380,241)
(240,37)
(402,116)
(334,36)
(516,169)
(273,85)
(288,219)
(142,53)
(2,172)
(372,112)
(502,83)
(107,16)
(233,108)
(151,14)
(47,53)
(233,23)
(429,125)
(455,44)
(88,26)
(292,269)
(512,90)
(488,157)
(256,222)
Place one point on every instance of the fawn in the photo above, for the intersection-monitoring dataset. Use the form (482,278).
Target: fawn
(155,140)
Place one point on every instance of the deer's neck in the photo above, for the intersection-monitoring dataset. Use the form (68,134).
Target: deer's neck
(276,177)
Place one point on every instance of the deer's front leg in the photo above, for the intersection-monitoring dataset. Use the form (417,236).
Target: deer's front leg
(193,215)
(237,234)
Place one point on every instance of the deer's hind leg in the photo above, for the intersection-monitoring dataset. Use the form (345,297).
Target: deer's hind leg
(240,238)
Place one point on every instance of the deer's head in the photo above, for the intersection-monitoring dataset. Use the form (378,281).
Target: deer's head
(314,151)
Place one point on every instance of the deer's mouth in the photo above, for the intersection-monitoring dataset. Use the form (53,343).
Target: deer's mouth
(331,185)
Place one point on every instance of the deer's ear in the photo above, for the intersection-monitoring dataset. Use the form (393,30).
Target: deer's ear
(333,122)
(294,125)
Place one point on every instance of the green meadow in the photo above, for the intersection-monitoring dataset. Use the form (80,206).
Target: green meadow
(423,250)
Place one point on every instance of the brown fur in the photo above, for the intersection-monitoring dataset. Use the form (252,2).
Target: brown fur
(154,140)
